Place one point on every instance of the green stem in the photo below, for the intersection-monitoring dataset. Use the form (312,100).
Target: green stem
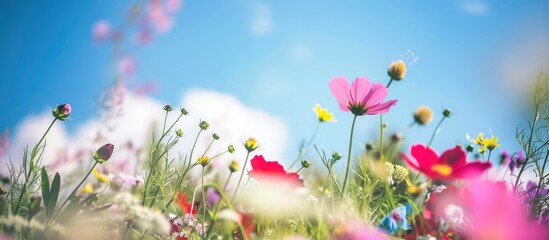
(435,132)
(389,84)
(203,197)
(348,158)
(529,147)
(304,148)
(74,191)
(241,175)
(31,165)
(381,132)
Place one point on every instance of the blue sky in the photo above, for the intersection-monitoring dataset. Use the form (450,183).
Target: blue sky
(470,55)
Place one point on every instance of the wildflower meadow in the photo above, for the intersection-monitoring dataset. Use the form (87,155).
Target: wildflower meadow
(191,175)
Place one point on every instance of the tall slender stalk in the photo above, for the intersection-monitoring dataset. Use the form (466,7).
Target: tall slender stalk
(241,175)
(348,158)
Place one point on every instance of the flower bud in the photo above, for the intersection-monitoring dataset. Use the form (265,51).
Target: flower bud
(168,108)
(103,153)
(336,156)
(423,115)
(204,160)
(397,70)
(204,125)
(215,136)
(369,146)
(184,111)
(179,132)
(61,112)
(384,125)
(305,164)
(447,112)
(470,148)
(233,167)
(230,149)
(396,137)
(3,191)
(251,144)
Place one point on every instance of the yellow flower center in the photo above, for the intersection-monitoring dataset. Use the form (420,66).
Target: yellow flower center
(442,169)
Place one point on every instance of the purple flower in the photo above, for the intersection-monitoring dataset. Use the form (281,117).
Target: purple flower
(213,196)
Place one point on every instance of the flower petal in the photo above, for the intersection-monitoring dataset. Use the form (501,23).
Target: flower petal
(376,95)
(341,90)
(411,163)
(359,89)
(425,156)
(471,170)
(455,157)
(381,108)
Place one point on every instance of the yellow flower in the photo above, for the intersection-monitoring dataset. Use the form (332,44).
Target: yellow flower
(251,144)
(204,160)
(100,177)
(490,143)
(87,189)
(479,139)
(323,114)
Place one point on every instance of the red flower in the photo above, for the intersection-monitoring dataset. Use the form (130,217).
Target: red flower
(247,222)
(450,165)
(186,206)
(272,171)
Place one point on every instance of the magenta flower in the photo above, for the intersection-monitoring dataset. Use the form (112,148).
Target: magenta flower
(362,97)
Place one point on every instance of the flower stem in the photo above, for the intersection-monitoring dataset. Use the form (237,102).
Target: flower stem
(435,132)
(389,84)
(241,175)
(381,136)
(305,147)
(203,197)
(348,158)
(74,191)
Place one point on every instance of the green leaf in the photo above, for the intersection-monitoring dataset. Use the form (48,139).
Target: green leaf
(45,186)
(54,194)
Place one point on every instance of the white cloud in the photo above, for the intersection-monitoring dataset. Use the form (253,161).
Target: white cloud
(262,23)
(132,130)
(474,7)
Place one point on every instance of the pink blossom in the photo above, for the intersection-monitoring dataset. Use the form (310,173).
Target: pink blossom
(160,19)
(101,30)
(496,213)
(173,5)
(361,97)
(127,66)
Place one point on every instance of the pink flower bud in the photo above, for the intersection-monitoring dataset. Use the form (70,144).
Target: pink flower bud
(61,112)
(104,153)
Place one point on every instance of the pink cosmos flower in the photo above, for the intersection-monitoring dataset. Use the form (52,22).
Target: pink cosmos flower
(450,165)
(127,66)
(101,30)
(362,97)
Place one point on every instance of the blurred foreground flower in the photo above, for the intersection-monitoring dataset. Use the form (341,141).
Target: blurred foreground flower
(397,220)
(450,165)
(186,206)
(271,171)
(362,97)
